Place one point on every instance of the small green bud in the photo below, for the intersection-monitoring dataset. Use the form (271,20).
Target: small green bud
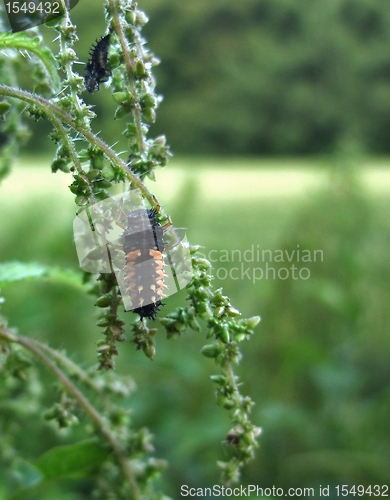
(117,330)
(118,80)
(130,16)
(121,112)
(211,350)
(149,115)
(202,307)
(194,325)
(149,351)
(81,200)
(131,130)
(248,437)
(194,248)
(103,322)
(82,181)
(97,160)
(152,177)
(103,349)
(108,172)
(202,263)
(52,413)
(221,400)
(106,287)
(114,61)
(229,404)
(218,297)
(239,337)
(208,313)
(4,108)
(141,17)
(84,155)
(224,334)
(93,174)
(104,301)
(219,379)
(254,321)
(76,189)
(59,164)
(149,101)
(210,332)
(110,317)
(119,97)
(166,322)
(102,195)
(160,141)
(232,311)
(104,184)
(219,311)
(201,294)
(140,71)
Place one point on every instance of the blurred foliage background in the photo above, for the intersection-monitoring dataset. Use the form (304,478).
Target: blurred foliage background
(263,76)
(257,80)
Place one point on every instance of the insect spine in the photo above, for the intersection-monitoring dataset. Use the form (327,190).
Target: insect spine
(97,66)
(143,245)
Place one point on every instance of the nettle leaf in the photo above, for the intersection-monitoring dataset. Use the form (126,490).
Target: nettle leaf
(71,460)
(12,272)
(20,41)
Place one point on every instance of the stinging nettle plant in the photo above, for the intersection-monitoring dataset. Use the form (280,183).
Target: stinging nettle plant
(112,453)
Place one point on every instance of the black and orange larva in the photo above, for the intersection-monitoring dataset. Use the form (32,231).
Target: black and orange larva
(97,66)
(143,245)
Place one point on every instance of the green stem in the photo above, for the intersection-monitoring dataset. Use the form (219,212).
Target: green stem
(73,154)
(68,65)
(83,402)
(52,111)
(67,363)
(130,74)
(236,393)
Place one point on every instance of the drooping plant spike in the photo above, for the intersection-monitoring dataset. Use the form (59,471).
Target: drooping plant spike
(95,168)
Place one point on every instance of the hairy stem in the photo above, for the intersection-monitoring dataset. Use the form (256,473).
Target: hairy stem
(52,112)
(73,154)
(90,410)
(130,74)
(67,363)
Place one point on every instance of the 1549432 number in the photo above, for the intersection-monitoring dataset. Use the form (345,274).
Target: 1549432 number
(375,491)
(31,7)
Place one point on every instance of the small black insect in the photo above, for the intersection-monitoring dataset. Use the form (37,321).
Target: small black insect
(97,69)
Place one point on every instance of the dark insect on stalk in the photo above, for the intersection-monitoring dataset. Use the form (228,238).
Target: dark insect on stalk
(97,66)
(143,245)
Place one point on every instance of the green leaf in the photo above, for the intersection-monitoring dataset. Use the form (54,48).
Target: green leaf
(71,460)
(19,271)
(11,272)
(20,41)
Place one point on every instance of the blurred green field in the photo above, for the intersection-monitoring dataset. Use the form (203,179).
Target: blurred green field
(318,366)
